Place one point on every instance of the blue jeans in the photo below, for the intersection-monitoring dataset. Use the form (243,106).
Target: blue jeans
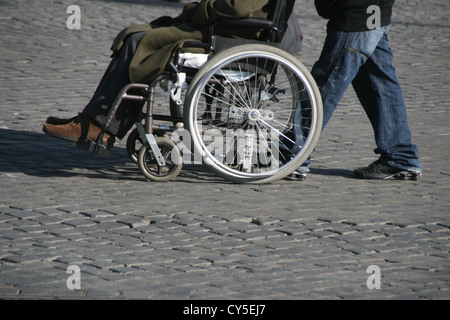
(364,59)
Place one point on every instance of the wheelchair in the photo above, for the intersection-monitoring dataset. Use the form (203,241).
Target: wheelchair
(245,109)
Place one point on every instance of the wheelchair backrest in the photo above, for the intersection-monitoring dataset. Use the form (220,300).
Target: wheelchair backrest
(280,11)
(272,29)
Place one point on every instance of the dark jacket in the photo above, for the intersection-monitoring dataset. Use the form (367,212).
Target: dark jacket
(351,15)
(159,43)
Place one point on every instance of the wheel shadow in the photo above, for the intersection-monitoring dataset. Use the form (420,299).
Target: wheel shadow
(37,154)
(333,172)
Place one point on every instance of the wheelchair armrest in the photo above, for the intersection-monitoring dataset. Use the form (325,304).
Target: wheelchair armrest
(243,23)
(248,22)
(253,23)
(197,44)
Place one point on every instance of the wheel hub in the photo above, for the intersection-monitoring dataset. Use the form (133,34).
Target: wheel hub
(254,115)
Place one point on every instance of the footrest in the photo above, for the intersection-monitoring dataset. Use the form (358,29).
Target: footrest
(94,147)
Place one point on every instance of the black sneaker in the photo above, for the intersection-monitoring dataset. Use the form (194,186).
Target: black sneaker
(296,176)
(383,171)
(299,174)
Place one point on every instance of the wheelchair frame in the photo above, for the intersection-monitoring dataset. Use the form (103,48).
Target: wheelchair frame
(157,151)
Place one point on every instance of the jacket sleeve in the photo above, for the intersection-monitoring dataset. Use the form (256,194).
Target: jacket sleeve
(210,11)
(325,8)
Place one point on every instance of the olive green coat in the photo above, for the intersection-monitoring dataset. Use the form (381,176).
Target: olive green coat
(160,43)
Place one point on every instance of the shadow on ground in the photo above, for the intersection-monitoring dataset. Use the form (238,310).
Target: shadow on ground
(333,172)
(37,154)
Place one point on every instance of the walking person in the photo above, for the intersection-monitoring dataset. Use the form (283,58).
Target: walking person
(356,51)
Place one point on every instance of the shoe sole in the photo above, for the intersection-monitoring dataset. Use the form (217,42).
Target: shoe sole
(402,175)
(406,175)
(296,177)
(109,144)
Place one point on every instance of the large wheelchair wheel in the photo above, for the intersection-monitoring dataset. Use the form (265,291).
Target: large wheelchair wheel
(254,114)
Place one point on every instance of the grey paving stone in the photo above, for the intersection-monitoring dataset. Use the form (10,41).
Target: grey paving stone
(199,237)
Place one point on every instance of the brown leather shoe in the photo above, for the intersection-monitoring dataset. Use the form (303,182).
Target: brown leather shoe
(76,129)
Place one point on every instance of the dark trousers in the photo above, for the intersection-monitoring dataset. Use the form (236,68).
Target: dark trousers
(114,79)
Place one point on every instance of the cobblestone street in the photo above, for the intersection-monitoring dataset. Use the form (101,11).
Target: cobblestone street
(199,236)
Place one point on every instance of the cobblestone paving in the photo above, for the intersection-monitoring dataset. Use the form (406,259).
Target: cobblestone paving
(198,236)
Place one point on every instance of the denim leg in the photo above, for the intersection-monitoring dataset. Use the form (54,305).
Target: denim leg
(342,56)
(380,94)
(114,79)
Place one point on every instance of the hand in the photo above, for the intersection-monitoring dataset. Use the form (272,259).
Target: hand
(164,21)
(189,11)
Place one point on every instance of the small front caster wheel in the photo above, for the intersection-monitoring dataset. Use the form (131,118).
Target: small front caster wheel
(134,143)
(149,166)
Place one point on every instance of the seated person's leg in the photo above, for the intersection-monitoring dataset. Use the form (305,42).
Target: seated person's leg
(87,125)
